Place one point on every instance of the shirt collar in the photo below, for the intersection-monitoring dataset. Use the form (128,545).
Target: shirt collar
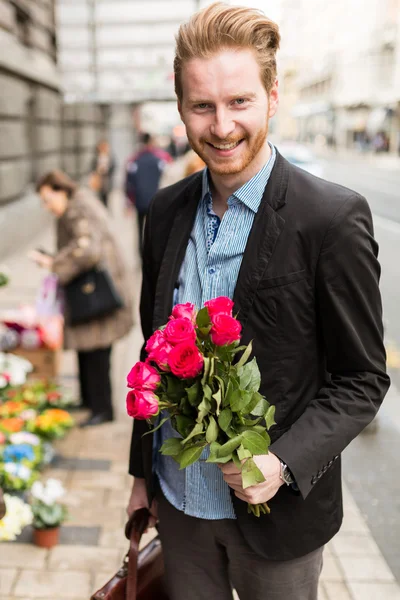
(252,191)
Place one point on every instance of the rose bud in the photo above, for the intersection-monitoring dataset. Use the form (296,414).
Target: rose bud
(141,404)
(185,360)
(225,330)
(184,311)
(143,377)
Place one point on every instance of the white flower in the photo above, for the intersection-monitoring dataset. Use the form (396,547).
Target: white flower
(24,437)
(18,470)
(28,415)
(48,493)
(18,515)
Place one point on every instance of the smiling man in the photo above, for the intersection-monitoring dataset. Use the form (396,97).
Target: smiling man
(298,257)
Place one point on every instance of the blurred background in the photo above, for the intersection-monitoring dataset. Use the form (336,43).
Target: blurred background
(74,72)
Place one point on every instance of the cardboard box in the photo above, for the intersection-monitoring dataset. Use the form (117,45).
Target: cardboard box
(45,362)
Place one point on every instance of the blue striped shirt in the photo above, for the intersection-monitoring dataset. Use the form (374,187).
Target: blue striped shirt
(210,269)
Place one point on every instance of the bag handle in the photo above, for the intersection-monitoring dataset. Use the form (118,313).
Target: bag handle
(134,530)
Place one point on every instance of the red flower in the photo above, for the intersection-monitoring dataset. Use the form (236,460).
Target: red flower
(141,404)
(158,350)
(179,330)
(143,377)
(225,330)
(184,311)
(185,360)
(220,305)
(156,340)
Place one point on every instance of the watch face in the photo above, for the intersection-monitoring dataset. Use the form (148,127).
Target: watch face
(287,476)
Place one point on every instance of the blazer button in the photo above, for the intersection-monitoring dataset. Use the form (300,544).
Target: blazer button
(313,480)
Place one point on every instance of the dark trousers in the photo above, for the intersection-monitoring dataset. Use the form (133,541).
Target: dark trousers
(141,219)
(94,379)
(205,559)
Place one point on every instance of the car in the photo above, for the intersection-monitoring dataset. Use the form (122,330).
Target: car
(302,157)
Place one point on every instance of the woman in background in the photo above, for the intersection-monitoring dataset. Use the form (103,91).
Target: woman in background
(85,240)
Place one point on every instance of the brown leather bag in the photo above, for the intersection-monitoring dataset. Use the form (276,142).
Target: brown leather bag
(141,576)
(2,505)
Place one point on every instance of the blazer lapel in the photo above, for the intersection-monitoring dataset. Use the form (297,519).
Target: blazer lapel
(175,252)
(263,237)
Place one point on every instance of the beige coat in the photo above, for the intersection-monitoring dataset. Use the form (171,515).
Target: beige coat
(84,240)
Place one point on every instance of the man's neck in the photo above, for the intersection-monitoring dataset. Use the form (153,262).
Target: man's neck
(223,186)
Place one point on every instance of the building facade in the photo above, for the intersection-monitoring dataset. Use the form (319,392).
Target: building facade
(341,67)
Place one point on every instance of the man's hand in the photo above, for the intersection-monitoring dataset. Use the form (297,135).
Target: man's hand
(139,499)
(269,466)
(43,260)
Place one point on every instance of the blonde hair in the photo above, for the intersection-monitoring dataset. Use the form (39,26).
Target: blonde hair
(219,27)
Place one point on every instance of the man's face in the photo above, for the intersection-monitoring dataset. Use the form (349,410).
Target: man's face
(226,109)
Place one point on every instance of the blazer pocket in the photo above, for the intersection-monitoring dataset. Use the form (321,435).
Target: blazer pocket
(271,282)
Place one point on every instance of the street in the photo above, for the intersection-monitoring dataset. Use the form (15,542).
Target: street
(372,462)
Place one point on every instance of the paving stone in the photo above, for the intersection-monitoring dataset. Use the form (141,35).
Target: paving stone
(113,538)
(85,497)
(353,522)
(355,545)
(80,464)
(18,555)
(7,579)
(322,595)
(119,498)
(375,591)
(369,568)
(83,558)
(338,591)
(53,585)
(90,515)
(60,474)
(69,534)
(331,570)
(96,480)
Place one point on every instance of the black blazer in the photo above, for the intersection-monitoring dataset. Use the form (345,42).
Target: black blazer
(307,295)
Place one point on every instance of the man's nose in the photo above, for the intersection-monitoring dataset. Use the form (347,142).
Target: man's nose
(223,125)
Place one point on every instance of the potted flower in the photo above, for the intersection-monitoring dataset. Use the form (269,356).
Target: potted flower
(48,513)
(18,515)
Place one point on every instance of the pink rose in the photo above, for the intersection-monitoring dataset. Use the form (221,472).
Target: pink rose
(225,330)
(184,311)
(141,404)
(156,340)
(180,330)
(143,377)
(220,305)
(160,356)
(186,361)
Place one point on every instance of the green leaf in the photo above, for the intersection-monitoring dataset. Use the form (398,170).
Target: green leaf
(171,447)
(250,378)
(197,430)
(237,461)
(203,409)
(184,425)
(239,399)
(161,423)
(207,365)
(245,356)
(190,456)
(251,474)
(212,430)
(225,418)
(243,453)
(194,393)
(270,417)
(229,446)
(203,318)
(254,442)
(218,399)
(219,460)
(261,407)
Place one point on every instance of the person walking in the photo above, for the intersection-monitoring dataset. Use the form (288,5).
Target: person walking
(298,257)
(103,168)
(143,173)
(85,240)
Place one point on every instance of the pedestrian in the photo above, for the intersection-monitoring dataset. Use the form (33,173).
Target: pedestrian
(103,168)
(182,167)
(297,256)
(85,240)
(143,173)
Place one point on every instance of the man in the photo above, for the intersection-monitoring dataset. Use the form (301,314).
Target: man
(143,173)
(298,257)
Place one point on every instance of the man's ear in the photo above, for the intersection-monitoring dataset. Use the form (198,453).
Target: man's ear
(273,99)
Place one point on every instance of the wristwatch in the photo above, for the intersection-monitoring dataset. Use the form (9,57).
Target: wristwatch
(286,474)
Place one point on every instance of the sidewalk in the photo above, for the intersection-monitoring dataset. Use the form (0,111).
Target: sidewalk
(387,162)
(92,464)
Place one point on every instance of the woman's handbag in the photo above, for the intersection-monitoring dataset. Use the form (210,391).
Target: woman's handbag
(141,576)
(90,296)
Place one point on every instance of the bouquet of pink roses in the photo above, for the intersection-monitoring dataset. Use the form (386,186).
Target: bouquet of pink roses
(191,374)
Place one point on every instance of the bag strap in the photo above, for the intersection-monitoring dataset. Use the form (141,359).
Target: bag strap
(134,530)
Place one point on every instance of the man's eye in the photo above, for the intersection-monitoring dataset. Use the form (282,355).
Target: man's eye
(240,101)
(202,105)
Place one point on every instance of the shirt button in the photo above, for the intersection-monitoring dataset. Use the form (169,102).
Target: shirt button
(211,271)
